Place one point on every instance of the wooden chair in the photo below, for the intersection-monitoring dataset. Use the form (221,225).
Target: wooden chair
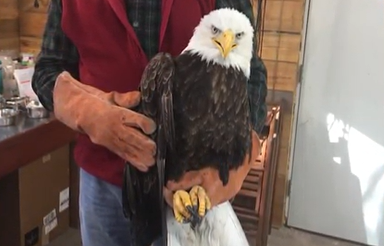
(253,204)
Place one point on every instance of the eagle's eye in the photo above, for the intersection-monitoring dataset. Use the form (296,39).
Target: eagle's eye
(239,35)
(215,30)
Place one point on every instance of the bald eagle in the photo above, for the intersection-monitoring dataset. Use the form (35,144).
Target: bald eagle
(199,101)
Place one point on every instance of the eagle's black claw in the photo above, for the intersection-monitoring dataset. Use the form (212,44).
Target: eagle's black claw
(193,212)
(195,209)
(195,221)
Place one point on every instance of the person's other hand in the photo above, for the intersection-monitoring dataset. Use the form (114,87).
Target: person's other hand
(209,179)
(107,119)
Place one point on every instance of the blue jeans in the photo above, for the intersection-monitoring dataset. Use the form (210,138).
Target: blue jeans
(102,221)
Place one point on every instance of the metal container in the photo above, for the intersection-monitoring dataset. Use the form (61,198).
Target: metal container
(36,111)
(18,103)
(2,102)
(8,116)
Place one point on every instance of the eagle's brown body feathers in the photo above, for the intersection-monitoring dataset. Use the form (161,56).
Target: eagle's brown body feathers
(211,112)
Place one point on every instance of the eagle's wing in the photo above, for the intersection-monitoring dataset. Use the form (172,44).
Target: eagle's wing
(144,191)
(156,89)
(156,94)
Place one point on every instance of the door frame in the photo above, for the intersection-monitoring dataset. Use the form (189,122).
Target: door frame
(296,105)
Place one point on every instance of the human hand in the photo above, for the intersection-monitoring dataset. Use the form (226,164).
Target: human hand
(107,119)
(121,131)
(209,179)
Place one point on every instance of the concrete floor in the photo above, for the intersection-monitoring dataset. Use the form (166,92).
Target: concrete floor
(282,237)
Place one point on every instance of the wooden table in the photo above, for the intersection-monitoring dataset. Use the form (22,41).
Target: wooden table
(30,139)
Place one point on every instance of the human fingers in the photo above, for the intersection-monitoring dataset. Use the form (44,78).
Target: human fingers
(134,119)
(127,100)
(144,156)
(128,155)
(134,137)
(132,146)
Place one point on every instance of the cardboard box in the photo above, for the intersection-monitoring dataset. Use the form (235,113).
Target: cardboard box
(74,188)
(34,201)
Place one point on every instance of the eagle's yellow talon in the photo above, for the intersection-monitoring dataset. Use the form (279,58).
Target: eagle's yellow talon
(200,200)
(191,207)
(182,206)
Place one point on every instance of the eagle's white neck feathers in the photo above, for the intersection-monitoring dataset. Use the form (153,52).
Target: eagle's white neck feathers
(224,19)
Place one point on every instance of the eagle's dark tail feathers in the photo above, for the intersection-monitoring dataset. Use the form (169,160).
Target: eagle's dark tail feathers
(141,205)
(225,166)
(224,172)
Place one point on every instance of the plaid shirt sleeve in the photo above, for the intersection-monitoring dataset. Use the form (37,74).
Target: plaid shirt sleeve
(57,54)
(257,85)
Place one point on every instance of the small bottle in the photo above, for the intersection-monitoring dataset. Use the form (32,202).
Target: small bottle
(1,78)
(31,62)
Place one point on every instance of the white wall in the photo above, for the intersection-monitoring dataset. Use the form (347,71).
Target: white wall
(338,161)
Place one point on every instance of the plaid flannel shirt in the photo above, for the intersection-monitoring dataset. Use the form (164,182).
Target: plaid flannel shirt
(59,54)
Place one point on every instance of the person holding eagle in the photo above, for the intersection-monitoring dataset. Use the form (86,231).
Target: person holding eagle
(92,60)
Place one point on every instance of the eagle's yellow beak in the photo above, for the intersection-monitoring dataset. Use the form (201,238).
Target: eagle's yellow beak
(225,42)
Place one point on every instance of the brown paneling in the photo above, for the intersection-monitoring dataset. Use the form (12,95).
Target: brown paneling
(281,47)
(32,23)
(30,45)
(28,6)
(9,25)
(8,9)
(281,75)
(9,34)
(284,15)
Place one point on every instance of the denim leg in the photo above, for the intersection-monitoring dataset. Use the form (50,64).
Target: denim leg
(102,221)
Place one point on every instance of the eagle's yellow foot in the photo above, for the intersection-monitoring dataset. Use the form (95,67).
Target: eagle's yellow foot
(200,202)
(182,206)
(191,207)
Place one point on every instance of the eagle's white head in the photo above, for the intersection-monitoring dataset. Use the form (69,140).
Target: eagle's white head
(225,37)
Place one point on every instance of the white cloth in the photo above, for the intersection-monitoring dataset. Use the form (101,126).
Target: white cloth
(220,227)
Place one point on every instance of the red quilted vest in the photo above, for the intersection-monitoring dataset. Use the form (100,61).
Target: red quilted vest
(112,59)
